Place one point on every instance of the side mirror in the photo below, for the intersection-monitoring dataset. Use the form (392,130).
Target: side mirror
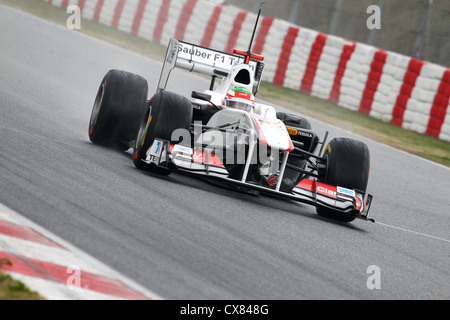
(205,97)
(201,96)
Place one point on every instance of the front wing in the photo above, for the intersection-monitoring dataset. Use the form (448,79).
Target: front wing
(309,191)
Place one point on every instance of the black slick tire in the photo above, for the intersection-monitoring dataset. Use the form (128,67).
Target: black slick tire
(165,113)
(117,110)
(348,166)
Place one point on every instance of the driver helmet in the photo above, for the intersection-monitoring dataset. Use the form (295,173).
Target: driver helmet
(240,98)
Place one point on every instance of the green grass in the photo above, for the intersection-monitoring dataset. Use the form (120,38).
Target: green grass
(415,143)
(11,289)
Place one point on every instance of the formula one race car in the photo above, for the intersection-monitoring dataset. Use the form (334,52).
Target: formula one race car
(222,133)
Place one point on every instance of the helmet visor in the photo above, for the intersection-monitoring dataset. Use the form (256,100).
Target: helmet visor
(242,105)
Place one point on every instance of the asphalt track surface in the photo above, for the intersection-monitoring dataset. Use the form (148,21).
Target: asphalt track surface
(184,238)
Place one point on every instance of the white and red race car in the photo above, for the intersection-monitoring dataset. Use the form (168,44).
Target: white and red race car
(222,133)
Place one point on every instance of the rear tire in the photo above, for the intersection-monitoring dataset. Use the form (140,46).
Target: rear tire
(348,165)
(291,176)
(165,113)
(117,110)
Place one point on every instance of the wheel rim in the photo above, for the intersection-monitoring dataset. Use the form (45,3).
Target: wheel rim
(143,128)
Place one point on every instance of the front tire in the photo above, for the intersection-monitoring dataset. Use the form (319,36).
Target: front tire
(348,166)
(165,113)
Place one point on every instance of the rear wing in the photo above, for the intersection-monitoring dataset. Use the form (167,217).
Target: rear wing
(212,63)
